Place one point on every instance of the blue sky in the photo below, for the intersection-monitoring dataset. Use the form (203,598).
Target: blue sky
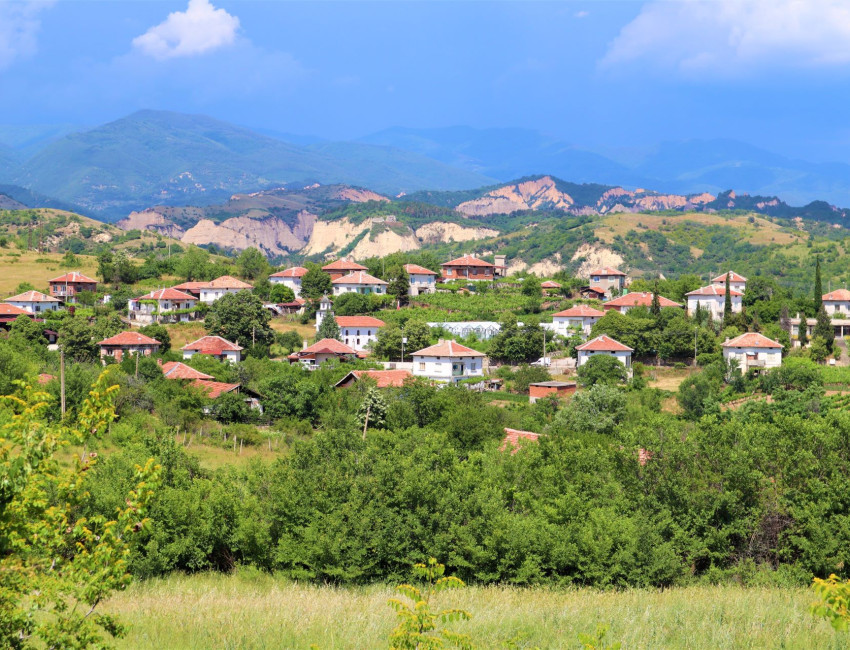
(616,75)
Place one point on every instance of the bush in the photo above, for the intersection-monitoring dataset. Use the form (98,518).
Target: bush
(602,369)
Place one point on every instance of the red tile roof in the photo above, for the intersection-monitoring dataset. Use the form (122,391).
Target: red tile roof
(167,294)
(581,311)
(211,345)
(358,277)
(733,277)
(417,270)
(129,338)
(227,282)
(359,321)
(327,346)
(447,349)
(603,343)
(549,284)
(11,310)
(713,290)
(752,340)
(294,272)
(838,294)
(189,286)
(513,436)
(178,370)
(343,265)
(73,276)
(214,388)
(606,271)
(468,260)
(31,296)
(383,378)
(638,299)
(45,378)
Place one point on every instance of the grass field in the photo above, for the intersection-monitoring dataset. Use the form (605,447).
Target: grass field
(250,610)
(36,268)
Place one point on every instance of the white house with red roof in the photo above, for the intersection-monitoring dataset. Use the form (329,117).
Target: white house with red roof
(604,345)
(342,267)
(713,300)
(737,282)
(162,305)
(321,351)
(468,267)
(120,345)
(211,291)
(358,332)
(34,301)
(753,351)
(214,346)
(448,361)
(836,303)
(607,278)
(9,313)
(637,299)
(66,287)
(359,282)
(291,278)
(579,317)
(420,279)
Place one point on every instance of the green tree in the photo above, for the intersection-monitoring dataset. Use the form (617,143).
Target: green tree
(818,350)
(315,283)
(823,328)
(192,265)
(352,304)
(526,375)
(727,303)
(602,369)
(818,297)
(531,286)
(105,266)
(160,333)
(329,329)
(240,318)
(600,409)
(388,343)
(281,293)
(399,285)
(75,338)
(803,331)
(252,264)
(373,410)
(289,340)
(655,309)
(696,395)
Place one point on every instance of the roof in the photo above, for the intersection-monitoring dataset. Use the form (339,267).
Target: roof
(167,294)
(417,270)
(383,378)
(179,370)
(513,436)
(343,265)
(554,384)
(294,272)
(467,260)
(603,343)
(447,349)
(713,290)
(31,296)
(606,270)
(550,284)
(129,338)
(214,388)
(11,310)
(583,311)
(73,276)
(226,282)
(838,294)
(639,299)
(45,378)
(733,277)
(211,345)
(358,277)
(327,346)
(189,286)
(752,340)
(359,321)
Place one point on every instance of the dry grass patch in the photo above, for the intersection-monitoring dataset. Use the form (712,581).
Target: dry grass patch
(667,378)
(183,333)
(17,267)
(307,332)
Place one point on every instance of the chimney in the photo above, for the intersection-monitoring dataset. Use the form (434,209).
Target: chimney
(304,345)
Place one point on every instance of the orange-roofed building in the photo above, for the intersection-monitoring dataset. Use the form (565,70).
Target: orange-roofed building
(637,299)
(448,361)
(358,282)
(712,299)
(737,282)
(193,287)
(34,301)
(836,303)
(161,306)
(214,346)
(343,267)
(358,332)
(179,370)
(220,287)
(66,287)
(325,350)
(753,351)
(550,287)
(382,378)
(609,279)
(8,313)
(512,439)
(540,389)
(291,278)
(607,346)
(468,267)
(120,345)
(420,279)
(578,317)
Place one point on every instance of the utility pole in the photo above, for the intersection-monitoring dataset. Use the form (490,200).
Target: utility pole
(695,345)
(137,365)
(62,378)
(545,365)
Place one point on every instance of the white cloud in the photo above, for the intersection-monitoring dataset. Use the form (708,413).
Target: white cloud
(200,29)
(732,37)
(19,25)
(581,14)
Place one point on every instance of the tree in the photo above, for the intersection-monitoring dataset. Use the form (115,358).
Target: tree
(281,293)
(329,329)
(727,303)
(531,286)
(526,375)
(240,318)
(388,343)
(351,304)
(818,286)
(373,410)
(58,567)
(602,369)
(696,395)
(823,328)
(399,285)
(315,283)
(160,333)
(818,350)
(655,309)
(105,266)
(596,410)
(75,338)
(289,340)
(192,264)
(803,335)
(252,264)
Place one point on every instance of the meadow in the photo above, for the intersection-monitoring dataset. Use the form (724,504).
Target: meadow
(249,609)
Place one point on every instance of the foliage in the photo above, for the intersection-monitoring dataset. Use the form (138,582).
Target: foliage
(240,318)
(75,337)
(389,340)
(599,410)
(328,329)
(515,344)
(531,286)
(526,375)
(834,601)
(602,369)
(315,283)
(399,285)
(160,333)
(697,395)
(252,264)
(280,293)
(823,328)
(373,410)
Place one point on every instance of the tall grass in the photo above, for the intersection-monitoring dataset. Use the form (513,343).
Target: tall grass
(252,610)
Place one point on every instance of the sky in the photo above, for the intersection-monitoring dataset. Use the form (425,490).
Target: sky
(600,74)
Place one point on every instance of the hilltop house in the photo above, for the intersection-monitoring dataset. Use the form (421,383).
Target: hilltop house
(215,289)
(161,306)
(448,361)
(753,351)
(609,279)
(128,343)
(214,346)
(290,278)
(321,351)
(66,287)
(34,301)
(581,317)
(604,345)
(468,267)
(637,299)
(342,267)
(358,332)
(359,282)
(421,280)
(736,282)
(713,300)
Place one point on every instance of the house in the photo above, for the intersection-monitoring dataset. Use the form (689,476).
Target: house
(541,389)
(592,293)
(637,299)
(753,351)
(163,305)
(383,378)
(609,279)
(578,317)
(836,303)
(215,289)
(66,287)
(420,279)
(513,436)
(342,267)
(358,332)
(736,282)
(213,389)
(290,278)
(34,301)
(550,287)
(8,313)
(179,370)
(448,361)
(192,288)
(321,351)
(468,267)
(604,345)
(359,282)
(713,300)
(126,343)
(214,346)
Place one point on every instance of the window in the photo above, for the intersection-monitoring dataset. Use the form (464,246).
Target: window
(422,365)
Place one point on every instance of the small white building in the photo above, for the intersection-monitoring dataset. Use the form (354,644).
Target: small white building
(836,303)
(215,289)
(448,362)
(753,351)
(421,279)
(607,346)
(34,301)
(214,346)
(357,332)
(161,305)
(290,278)
(579,317)
(736,282)
(713,300)
(359,282)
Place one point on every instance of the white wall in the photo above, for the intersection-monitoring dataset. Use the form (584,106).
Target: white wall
(565,324)
(714,305)
(292,283)
(772,357)
(421,284)
(440,368)
(35,307)
(837,306)
(211,295)
(233,356)
(358,338)
(623,356)
(734,286)
(340,289)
